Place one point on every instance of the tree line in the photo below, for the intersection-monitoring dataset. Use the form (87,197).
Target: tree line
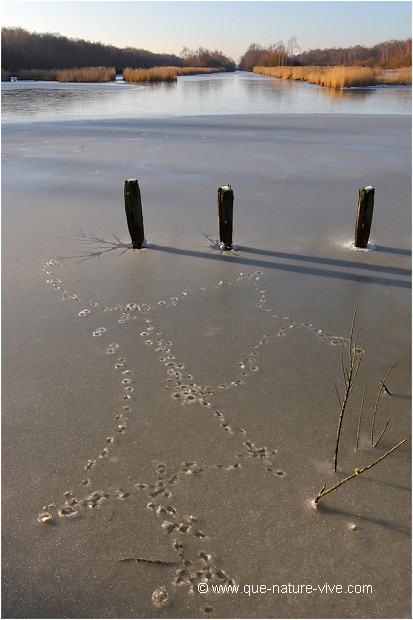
(21,49)
(206,58)
(388,55)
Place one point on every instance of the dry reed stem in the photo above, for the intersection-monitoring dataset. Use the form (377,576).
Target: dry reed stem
(381,390)
(322,492)
(382,433)
(360,416)
(350,375)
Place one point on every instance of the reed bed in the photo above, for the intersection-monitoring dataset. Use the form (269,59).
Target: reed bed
(106,74)
(342,77)
(400,76)
(163,74)
(156,74)
(339,77)
(87,74)
(48,75)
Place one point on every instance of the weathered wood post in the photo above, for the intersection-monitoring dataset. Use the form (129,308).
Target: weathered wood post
(364,216)
(225,216)
(133,208)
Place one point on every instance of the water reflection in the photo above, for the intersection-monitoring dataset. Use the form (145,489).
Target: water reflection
(216,94)
(202,94)
(36,101)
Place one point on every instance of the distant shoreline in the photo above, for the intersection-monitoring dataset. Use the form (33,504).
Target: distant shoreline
(337,76)
(341,76)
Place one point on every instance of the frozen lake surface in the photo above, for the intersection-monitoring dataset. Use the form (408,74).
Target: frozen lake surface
(217,94)
(176,404)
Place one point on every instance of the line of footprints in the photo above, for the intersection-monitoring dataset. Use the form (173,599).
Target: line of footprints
(191,569)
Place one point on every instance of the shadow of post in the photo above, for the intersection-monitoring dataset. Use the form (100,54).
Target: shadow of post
(298,263)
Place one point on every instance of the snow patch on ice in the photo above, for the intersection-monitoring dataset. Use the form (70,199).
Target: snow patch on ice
(371,246)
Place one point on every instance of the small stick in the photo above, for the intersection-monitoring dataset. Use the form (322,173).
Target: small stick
(149,561)
(385,388)
(349,375)
(361,413)
(357,472)
(382,386)
(338,395)
(319,494)
(384,430)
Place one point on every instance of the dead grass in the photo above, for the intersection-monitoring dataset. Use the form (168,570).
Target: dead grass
(339,77)
(163,74)
(49,75)
(156,74)
(106,74)
(400,76)
(87,74)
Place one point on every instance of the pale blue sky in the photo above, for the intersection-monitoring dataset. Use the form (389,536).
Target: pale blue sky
(229,26)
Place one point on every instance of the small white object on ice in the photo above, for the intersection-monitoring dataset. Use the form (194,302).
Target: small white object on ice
(371,246)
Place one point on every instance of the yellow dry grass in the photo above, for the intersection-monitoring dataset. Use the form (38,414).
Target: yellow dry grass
(162,74)
(87,74)
(339,77)
(106,74)
(37,74)
(400,76)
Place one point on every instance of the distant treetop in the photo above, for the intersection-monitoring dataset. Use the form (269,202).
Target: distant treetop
(388,55)
(21,49)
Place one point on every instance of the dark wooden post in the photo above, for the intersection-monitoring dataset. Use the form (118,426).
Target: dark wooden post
(225,216)
(364,216)
(133,208)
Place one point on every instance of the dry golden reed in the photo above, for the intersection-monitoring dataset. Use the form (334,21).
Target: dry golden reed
(106,74)
(162,74)
(31,74)
(49,75)
(340,76)
(87,74)
(401,76)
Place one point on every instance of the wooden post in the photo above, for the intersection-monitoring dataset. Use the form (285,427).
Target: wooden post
(225,216)
(364,216)
(133,208)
